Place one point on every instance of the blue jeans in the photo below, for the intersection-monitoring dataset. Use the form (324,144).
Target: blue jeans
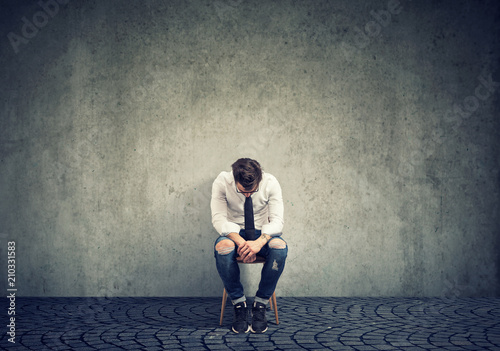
(229,270)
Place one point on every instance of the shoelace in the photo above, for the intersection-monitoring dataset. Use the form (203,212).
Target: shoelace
(259,312)
(240,312)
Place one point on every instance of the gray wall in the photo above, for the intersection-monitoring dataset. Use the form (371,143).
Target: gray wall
(116,116)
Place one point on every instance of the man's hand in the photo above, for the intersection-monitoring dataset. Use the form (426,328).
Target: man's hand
(248,251)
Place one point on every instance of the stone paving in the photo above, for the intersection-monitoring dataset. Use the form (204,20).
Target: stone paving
(322,323)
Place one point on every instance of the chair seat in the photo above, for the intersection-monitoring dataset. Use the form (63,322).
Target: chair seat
(272,299)
(258,259)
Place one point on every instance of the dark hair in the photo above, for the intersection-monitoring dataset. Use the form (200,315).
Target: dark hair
(247,172)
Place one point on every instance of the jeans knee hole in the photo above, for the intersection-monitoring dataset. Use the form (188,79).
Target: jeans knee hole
(277,244)
(224,248)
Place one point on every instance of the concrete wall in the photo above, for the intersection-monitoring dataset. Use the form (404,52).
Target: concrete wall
(380,119)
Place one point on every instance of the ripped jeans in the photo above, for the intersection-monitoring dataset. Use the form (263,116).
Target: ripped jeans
(275,252)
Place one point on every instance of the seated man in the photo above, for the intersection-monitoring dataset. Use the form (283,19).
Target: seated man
(247,212)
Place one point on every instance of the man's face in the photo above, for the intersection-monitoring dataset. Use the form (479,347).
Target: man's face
(246,192)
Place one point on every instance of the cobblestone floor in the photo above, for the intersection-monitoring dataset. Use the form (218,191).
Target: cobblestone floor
(305,324)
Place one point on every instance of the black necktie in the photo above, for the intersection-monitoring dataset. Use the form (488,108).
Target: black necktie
(249,224)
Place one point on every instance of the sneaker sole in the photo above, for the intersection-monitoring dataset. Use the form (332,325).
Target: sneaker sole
(243,332)
(255,332)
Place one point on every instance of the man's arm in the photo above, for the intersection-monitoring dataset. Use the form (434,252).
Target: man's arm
(218,205)
(276,209)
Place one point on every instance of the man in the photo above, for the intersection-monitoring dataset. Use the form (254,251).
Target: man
(247,212)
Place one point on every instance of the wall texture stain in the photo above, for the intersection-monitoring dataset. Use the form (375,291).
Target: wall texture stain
(380,119)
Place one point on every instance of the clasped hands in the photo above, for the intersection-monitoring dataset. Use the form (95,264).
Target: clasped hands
(248,250)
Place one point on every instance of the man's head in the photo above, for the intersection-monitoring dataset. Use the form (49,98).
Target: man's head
(247,173)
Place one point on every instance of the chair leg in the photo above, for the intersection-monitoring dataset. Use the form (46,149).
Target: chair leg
(223,307)
(275,306)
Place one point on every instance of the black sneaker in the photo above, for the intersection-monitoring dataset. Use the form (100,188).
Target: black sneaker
(240,321)
(259,321)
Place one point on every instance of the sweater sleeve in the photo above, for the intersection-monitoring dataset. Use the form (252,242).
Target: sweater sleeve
(218,205)
(276,210)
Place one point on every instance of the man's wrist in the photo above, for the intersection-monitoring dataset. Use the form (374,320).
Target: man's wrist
(238,240)
(265,238)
